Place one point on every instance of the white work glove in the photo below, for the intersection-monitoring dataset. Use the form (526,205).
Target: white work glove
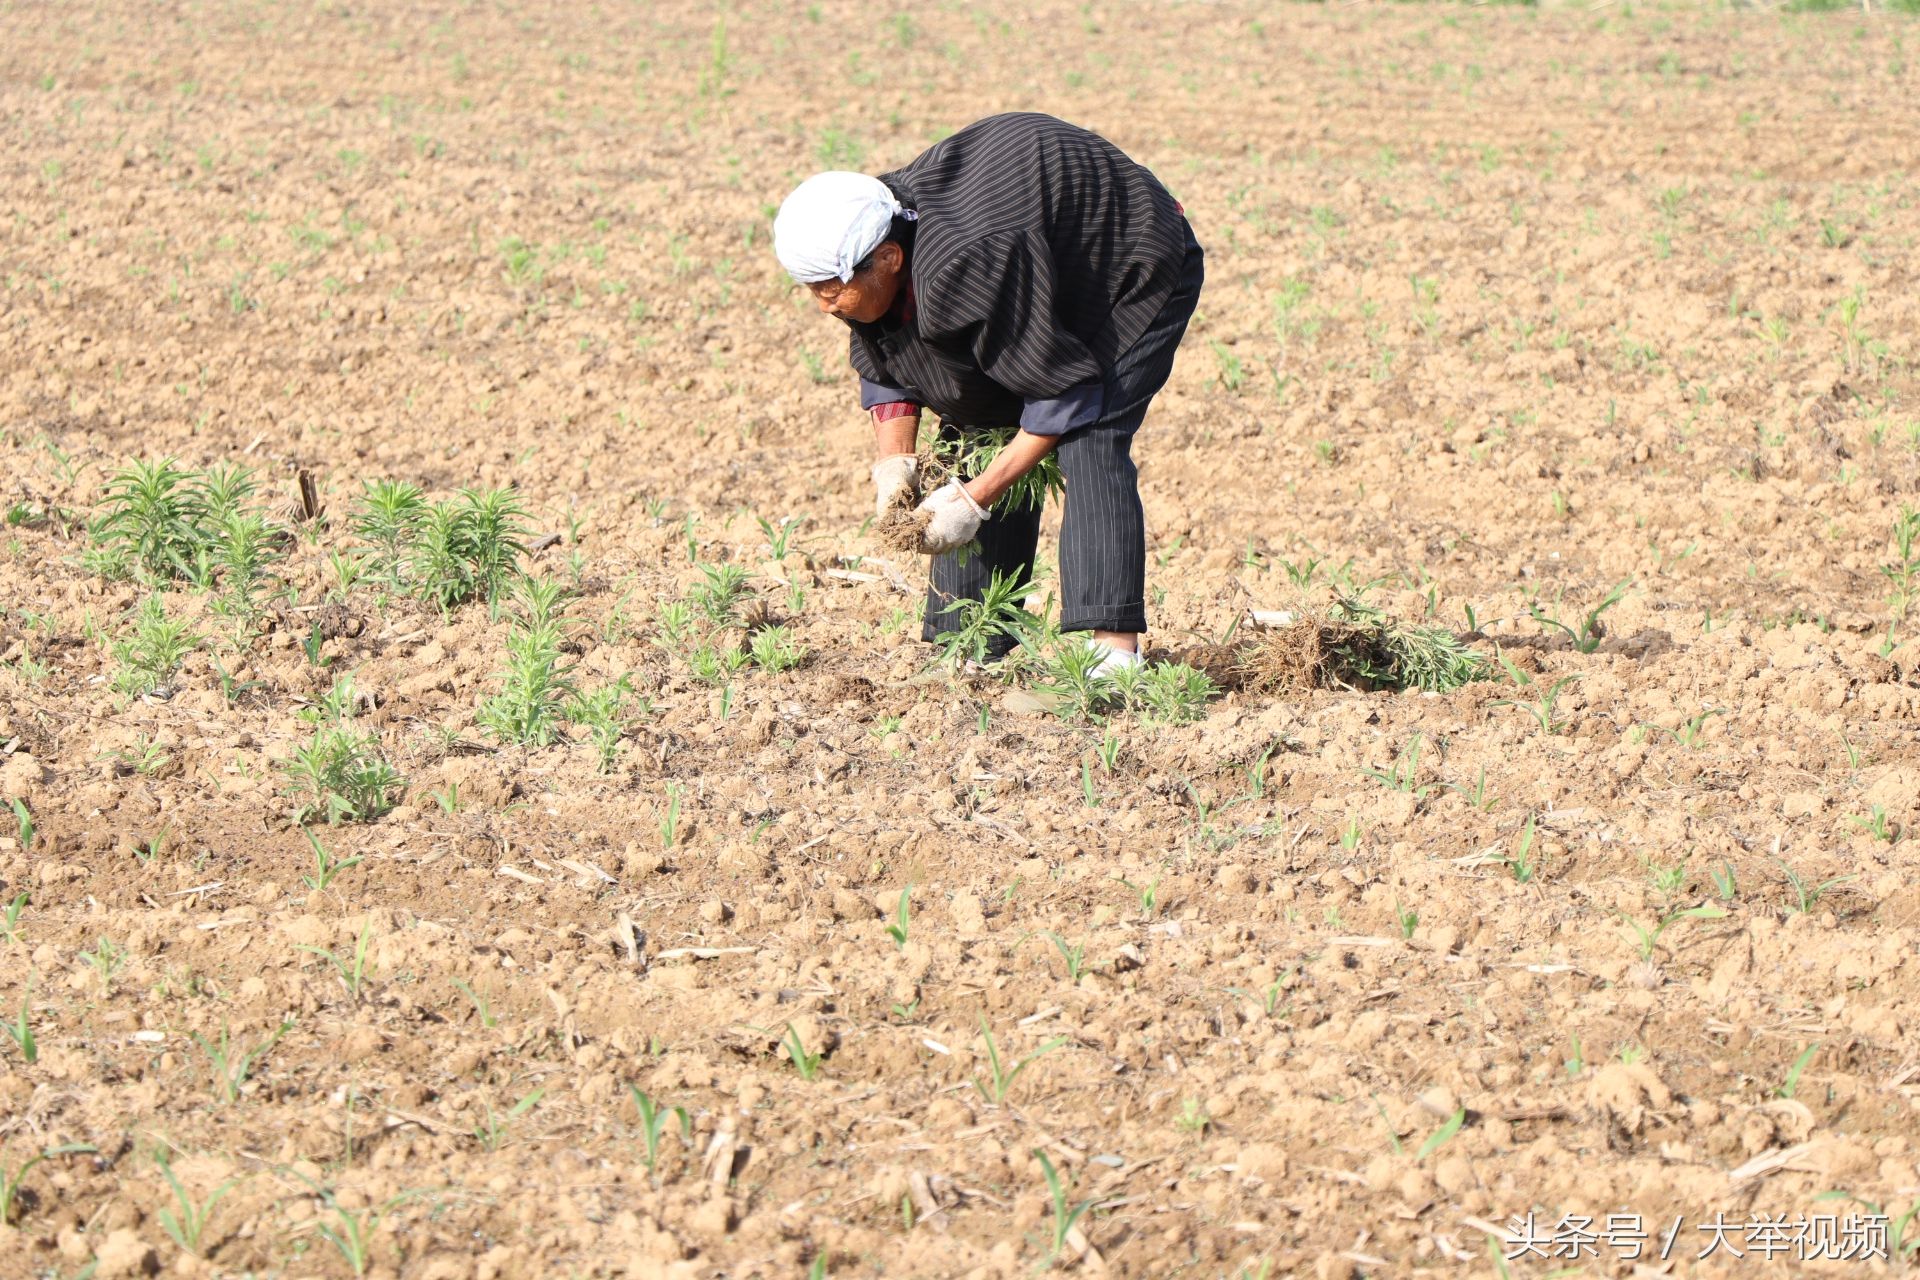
(956,518)
(892,475)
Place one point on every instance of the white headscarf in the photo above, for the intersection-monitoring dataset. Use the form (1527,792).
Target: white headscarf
(831,222)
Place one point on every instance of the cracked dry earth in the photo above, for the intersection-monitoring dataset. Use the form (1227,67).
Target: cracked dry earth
(1505,309)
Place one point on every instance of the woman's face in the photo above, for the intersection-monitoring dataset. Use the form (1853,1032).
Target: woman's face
(870,293)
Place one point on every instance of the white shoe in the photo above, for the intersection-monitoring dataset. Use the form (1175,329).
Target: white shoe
(1112,660)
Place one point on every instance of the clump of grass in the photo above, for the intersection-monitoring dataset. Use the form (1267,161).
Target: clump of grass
(1354,645)
(531,704)
(966,454)
(774,649)
(445,552)
(341,775)
(157,646)
(154,521)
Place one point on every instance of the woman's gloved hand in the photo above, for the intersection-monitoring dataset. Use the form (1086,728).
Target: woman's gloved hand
(956,518)
(892,476)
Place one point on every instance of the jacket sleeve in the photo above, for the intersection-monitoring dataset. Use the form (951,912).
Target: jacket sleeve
(997,298)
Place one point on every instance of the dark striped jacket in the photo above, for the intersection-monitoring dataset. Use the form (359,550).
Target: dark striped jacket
(1040,254)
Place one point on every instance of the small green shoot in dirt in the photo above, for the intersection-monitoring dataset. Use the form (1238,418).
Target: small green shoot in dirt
(20,1030)
(1791,1085)
(353,970)
(352,1232)
(491,1132)
(1065,1215)
(1193,1117)
(1523,862)
(1899,1245)
(653,1122)
(1074,956)
(10,1183)
(1724,882)
(1477,794)
(1087,792)
(1001,1078)
(1148,894)
(325,866)
(1806,896)
(1443,1135)
(481,1006)
(1543,710)
(1407,918)
(997,616)
(775,650)
(1402,773)
(807,1064)
(670,817)
(1688,734)
(1875,824)
(10,917)
(106,960)
(186,1224)
(898,929)
(231,1070)
(23,822)
(1576,1058)
(1350,835)
(1588,637)
(1647,937)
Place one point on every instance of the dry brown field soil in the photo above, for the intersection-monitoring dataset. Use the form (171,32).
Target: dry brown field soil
(1585,333)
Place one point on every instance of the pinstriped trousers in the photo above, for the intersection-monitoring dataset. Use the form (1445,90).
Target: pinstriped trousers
(1103,533)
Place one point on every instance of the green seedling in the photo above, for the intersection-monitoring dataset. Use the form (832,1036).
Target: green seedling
(448,798)
(1407,918)
(1542,711)
(1065,1215)
(1648,936)
(480,1004)
(1001,1079)
(1523,863)
(653,1122)
(1172,692)
(1724,882)
(352,973)
(1899,1246)
(10,917)
(670,818)
(1074,956)
(106,960)
(898,929)
(229,1070)
(1791,1085)
(1386,1122)
(1576,1058)
(1148,894)
(1443,1135)
(778,537)
(1269,998)
(807,1064)
(352,1233)
(997,616)
(1401,774)
(186,1225)
(1193,1117)
(1688,734)
(721,593)
(23,822)
(1109,750)
(20,1030)
(1350,835)
(10,1184)
(1588,637)
(1476,795)
(1087,792)
(1875,824)
(1806,896)
(325,866)
(491,1132)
